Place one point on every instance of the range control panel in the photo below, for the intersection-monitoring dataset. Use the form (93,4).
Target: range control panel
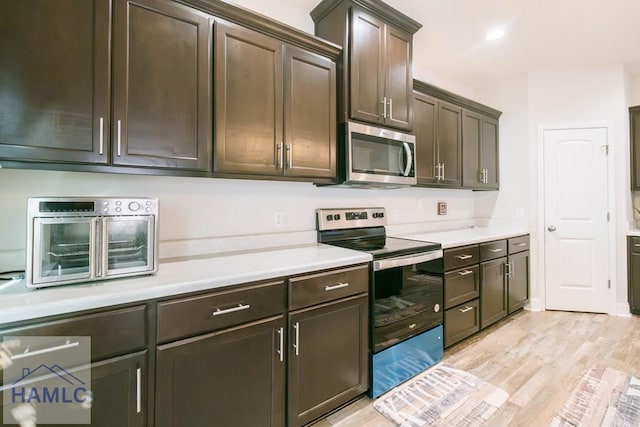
(338,219)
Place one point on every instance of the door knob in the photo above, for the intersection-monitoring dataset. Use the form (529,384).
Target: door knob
(551,228)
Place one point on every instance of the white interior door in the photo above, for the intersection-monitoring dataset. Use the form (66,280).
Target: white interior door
(576,224)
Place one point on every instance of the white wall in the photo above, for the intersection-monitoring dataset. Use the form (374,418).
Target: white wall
(560,97)
(633,94)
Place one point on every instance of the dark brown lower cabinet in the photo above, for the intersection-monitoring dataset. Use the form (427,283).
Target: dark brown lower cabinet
(327,357)
(518,280)
(461,322)
(233,377)
(493,291)
(634,274)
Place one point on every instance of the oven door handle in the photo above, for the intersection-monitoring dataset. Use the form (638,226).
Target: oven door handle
(401,261)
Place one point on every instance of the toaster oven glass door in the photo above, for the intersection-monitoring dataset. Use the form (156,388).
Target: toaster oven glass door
(63,249)
(128,246)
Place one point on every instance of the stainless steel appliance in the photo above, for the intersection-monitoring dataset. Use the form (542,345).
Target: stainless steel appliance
(378,157)
(71,240)
(406,313)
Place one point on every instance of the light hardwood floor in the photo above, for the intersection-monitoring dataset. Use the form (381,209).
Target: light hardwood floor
(535,357)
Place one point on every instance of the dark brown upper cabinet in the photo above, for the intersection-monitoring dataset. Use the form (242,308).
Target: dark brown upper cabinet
(55,83)
(480,151)
(54,80)
(275,107)
(376,86)
(161,85)
(438,129)
(634,127)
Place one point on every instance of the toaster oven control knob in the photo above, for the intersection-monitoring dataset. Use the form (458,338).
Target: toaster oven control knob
(134,206)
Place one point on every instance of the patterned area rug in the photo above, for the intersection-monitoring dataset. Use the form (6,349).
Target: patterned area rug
(603,397)
(441,396)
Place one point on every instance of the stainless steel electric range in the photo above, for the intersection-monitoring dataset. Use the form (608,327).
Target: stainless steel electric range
(406,316)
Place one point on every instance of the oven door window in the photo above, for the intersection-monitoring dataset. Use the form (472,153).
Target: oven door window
(128,244)
(63,249)
(406,302)
(375,155)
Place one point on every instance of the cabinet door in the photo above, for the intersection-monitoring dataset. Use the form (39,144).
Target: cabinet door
(450,143)
(234,377)
(518,280)
(398,78)
(489,153)
(310,115)
(328,358)
(424,127)
(161,85)
(493,292)
(54,80)
(634,126)
(366,65)
(248,102)
(472,132)
(634,274)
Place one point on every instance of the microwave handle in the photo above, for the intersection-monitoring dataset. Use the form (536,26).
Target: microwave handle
(407,150)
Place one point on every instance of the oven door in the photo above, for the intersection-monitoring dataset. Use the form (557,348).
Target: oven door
(128,245)
(406,300)
(63,251)
(377,155)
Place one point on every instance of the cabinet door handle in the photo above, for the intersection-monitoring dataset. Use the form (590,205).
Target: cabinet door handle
(486,176)
(279,155)
(138,390)
(442,171)
(290,151)
(27,353)
(507,269)
(119,148)
(437,171)
(465,272)
(281,343)
(296,343)
(384,107)
(464,256)
(495,250)
(101,139)
(240,307)
(338,286)
(512,268)
(464,310)
(391,108)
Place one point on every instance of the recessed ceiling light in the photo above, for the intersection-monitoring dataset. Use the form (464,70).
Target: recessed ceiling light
(495,34)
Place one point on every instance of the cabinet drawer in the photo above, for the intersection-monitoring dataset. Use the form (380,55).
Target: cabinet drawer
(194,315)
(493,250)
(521,243)
(634,245)
(461,286)
(460,257)
(461,322)
(327,286)
(112,333)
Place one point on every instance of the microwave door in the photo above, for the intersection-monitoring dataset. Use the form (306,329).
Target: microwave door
(128,245)
(63,250)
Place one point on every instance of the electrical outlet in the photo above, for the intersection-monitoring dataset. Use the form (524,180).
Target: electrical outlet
(442,208)
(278,219)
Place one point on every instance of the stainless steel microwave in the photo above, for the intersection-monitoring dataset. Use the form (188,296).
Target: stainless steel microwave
(378,157)
(81,239)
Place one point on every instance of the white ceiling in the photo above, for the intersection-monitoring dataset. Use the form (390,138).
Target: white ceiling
(539,34)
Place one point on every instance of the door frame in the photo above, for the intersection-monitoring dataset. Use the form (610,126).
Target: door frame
(538,270)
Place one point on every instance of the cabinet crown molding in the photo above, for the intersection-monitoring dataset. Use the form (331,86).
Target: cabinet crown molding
(377,7)
(266,25)
(453,98)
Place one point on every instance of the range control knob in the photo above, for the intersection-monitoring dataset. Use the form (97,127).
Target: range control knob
(329,217)
(336,217)
(134,206)
(381,215)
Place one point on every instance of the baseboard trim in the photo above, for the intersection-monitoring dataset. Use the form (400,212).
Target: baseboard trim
(534,305)
(622,310)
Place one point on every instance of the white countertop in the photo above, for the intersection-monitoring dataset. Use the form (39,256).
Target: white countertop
(469,236)
(18,303)
(633,232)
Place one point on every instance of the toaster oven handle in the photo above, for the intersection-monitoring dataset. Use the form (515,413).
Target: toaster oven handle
(401,261)
(407,150)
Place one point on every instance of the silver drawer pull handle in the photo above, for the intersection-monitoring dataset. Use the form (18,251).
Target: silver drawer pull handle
(338,286)
(464,256)
(637,245)
(465,272)
(524,244)
(496,250)
(138,390)
(413,325)
(28,353)
(240,307)
(464,310)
